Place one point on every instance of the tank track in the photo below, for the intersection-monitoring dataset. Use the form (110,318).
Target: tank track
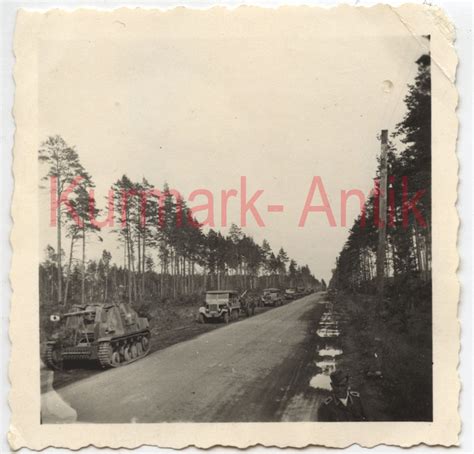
(116,346)
(48,358)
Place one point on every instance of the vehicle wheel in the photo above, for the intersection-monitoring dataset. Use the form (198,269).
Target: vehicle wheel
(145,344)
(139,348)
(127,354)
(115,359)
(202,319)
(226,317)
(133,351)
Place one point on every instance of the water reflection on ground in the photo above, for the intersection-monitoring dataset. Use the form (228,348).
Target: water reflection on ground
(321,381)
(327,351)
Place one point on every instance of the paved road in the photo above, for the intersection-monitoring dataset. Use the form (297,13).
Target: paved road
(251,370)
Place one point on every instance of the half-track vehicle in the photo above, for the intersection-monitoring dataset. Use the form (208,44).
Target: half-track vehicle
(220,305)
(109,333)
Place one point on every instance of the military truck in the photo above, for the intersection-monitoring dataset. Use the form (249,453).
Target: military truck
(109,333)
(220,305)
(290,294)
(272,297)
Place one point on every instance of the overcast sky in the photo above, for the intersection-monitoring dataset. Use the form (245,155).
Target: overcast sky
(202,110)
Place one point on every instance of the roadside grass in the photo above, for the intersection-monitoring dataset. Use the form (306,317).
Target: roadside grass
(389,358)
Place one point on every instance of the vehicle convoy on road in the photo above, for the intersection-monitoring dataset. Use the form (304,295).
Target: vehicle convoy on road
(272,297)
(224,369)
(220,305)
(109,333)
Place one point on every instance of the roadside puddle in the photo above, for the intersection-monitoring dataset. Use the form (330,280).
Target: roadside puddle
(321,381)
(328,326)
(330,351)
(327,351)
(328,332)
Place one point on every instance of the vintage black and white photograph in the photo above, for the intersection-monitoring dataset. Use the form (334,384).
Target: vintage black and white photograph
(234,219)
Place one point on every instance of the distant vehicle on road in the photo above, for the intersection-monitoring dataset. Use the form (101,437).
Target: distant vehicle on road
(303,291)
(220,305)
(290,294)
(272,297)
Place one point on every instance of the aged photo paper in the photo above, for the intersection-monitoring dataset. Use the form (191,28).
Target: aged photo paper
(234,227)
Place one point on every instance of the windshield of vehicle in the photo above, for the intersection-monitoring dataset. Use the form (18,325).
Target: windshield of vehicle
(217,298)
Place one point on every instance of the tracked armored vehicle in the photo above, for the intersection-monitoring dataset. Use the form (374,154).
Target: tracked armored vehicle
(111,334)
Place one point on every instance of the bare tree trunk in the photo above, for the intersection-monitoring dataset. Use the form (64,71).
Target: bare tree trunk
(143,263)
(106,285)
(69,269)
(83,280)
(129,268)
(419,260)
(176,274)
(139,265)
(428,247)
(58,252)
(185,283)
(134,274)
(161,277)
(173,273)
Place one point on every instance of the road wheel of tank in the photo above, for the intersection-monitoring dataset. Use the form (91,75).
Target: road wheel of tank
(53,358)
(139,348)
(226,317)
(134,351)
(126,353)
(145,344)
(115,359)
(202,319)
